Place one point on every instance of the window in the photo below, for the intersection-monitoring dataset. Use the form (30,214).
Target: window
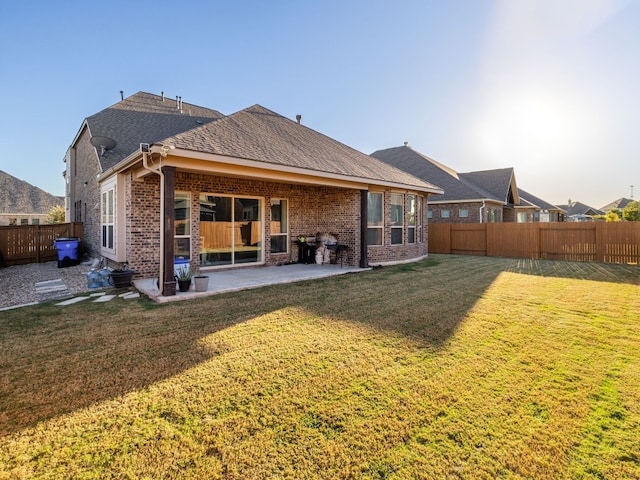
(108,219)
(522,217)
(182,225)
(429,213)
(463,213)
(397,218)
(24,221)
(35,221)
(411,219)
(279,226)
(445,213)
(230,230)
(375,218)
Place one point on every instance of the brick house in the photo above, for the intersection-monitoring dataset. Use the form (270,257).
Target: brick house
(473,197)
(155,179)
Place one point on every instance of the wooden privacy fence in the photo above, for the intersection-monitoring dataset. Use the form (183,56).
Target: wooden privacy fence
(612,242)
(20,244)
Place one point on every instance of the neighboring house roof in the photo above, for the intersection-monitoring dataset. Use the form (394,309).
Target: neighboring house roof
(487,185)
(620,203)
(577,208)
(144,118)
(18,196)
(260,134)
(415,163)
(500,183)
(528,199)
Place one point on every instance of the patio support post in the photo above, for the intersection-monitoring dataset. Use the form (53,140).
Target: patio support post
(364,207)
(168,280)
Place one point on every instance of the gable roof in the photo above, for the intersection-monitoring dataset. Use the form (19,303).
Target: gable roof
(18,196)
(577,208)
(528,199)
(415,163)
(261,135)
(619,203)
(488,185)
(500,183)
(144,118)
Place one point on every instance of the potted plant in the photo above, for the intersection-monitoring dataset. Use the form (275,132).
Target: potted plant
(183,276)
(121,276)
(202,282)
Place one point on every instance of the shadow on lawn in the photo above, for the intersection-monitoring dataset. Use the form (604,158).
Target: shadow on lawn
(57,360)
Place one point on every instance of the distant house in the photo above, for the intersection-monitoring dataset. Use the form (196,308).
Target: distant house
(157,181)
(473,197)
(580,212)
(22,203)
(618,204)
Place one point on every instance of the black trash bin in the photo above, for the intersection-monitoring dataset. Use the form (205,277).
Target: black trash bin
(68,251)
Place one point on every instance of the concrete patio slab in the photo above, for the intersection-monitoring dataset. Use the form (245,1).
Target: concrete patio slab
(247,278)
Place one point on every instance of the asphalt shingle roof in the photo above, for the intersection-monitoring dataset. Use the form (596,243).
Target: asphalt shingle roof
(260,134)
(144,118)
(496,182)
(535,201)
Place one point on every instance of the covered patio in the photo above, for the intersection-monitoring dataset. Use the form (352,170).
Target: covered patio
(245,278)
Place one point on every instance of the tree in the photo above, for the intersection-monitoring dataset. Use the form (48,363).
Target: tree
(612,216)
(55,215)
(631,212)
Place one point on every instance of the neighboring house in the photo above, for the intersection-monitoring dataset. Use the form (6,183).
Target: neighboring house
(473,197)
(618,204)
(580,212)
(542,211)
(22,203)
(155,180)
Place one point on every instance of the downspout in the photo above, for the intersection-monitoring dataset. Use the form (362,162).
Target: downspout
(145,165)
(482,211)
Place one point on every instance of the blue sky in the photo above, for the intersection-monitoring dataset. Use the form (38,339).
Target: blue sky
(548,87)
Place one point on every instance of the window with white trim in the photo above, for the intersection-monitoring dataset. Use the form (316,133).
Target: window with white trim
(375,218)
(279,225)
(182,225)
(107,208)
(463,213)
(445,213)
(411,219)
(397,218)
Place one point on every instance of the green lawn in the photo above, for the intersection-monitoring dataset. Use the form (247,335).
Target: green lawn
(455,367)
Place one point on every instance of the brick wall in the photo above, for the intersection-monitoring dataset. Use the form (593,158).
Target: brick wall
(87,192)
(311,210)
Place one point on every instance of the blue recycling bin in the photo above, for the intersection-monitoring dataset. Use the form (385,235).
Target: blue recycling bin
(68,251)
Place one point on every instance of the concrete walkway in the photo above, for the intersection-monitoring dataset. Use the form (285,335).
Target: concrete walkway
(246,278)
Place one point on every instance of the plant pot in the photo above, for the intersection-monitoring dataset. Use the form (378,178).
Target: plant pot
(184,285)
(121,278)
(202,283)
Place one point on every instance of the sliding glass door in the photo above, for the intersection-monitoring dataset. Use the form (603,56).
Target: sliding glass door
(230,230)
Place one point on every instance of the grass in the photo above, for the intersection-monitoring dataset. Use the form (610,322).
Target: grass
(455,367)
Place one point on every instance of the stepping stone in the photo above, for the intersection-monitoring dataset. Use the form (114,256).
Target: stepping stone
(130,295)
(104,298)
(97,294)
(72,301)
(51,289)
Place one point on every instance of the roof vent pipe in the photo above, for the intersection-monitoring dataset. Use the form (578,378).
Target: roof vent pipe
(406,144)
(298,119)
(162,93)
(177,102)
(121,94)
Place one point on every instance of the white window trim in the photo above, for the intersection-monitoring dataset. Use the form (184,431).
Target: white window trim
(402,219)
(285,234)
(117,253)
(379,227)
(415,218)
